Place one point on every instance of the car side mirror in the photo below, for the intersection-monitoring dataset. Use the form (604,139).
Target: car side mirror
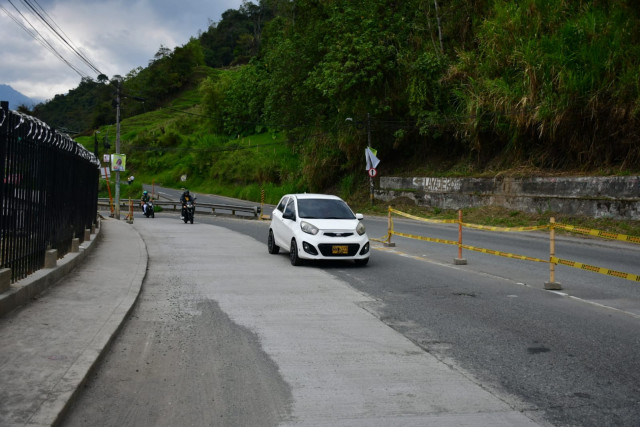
(289,215)
(359,217)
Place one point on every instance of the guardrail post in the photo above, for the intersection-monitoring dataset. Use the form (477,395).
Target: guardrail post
(460,260)
(552,285)
(388,243)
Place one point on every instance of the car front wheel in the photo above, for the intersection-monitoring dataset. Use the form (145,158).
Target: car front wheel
(271,244)
(293,253)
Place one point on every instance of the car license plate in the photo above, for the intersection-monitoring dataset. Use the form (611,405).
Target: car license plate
(340,250)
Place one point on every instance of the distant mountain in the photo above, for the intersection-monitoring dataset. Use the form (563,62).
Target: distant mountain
(15,98)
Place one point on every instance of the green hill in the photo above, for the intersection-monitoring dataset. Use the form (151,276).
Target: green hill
(173,146)
(457,88)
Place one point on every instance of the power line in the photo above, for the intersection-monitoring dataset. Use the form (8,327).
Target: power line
(64,40)
(40,14)
(35,34)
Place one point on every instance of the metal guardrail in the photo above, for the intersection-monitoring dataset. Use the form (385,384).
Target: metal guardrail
(176,205)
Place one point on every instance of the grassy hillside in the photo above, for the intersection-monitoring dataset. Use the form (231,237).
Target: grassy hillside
(452,88)
(175,142)
(164,145)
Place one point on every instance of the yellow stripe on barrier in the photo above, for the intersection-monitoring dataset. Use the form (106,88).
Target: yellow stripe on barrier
(426,239)
(471,248)
(503,254)
(435,221)
(600,233)
(505,229)
(595,269)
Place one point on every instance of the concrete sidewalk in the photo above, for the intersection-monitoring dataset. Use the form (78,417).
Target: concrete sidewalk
(49,345)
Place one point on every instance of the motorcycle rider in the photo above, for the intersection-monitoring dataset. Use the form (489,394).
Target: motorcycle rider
(143,201)
(184,199)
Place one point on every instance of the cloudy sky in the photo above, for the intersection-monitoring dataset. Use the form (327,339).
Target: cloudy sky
(116,36)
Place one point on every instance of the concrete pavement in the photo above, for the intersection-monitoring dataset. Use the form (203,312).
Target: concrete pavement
(49,345)
(345,366)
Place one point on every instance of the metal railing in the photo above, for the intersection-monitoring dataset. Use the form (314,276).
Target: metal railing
(48,192)
(201,207)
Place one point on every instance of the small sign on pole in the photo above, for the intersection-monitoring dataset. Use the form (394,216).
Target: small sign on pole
(119,162)
(372,172)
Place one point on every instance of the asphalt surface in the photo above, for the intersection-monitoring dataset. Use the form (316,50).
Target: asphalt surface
(341,364)
(571,354)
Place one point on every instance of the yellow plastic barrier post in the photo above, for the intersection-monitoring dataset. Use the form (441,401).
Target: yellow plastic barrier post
(129,217)
(552,285)
(460,260)
(388,243)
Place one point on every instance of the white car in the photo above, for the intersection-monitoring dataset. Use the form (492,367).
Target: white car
(318,227)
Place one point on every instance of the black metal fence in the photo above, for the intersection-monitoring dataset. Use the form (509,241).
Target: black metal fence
(48,192)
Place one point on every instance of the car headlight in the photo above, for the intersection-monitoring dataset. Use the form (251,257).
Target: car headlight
(360,229)
(308,228)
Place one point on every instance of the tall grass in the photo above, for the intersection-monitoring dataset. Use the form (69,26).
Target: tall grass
(553,77)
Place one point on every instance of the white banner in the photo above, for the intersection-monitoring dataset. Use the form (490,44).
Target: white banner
(370,156)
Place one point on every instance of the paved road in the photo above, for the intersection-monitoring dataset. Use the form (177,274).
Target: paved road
(571,361)
(226,334)
(575,357)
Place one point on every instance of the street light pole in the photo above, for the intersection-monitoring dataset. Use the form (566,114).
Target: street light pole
(118,149)
(371,187)
(349,119)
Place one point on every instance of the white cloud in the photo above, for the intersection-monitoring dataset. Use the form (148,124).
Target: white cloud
(115,35)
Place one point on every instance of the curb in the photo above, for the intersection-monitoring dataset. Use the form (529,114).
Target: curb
(84,366)
(23,291)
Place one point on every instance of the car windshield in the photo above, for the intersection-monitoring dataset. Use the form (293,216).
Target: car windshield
(324,209)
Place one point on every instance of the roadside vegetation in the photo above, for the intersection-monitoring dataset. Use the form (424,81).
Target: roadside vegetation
(283,96)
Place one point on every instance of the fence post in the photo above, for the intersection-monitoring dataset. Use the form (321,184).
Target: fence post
(5,279)
(460,260)
(552,285)
(388,243)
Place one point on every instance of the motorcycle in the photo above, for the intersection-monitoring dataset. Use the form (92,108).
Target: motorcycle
(148,210)
(189,210)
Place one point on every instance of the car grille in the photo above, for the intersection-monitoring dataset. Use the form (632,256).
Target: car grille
(325,249)
(336,234)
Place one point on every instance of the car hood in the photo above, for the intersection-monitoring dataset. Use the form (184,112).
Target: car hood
(333,224)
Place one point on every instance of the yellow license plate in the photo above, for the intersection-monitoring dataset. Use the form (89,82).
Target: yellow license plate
(340,250)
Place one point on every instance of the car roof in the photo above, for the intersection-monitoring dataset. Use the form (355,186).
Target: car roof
(300,196)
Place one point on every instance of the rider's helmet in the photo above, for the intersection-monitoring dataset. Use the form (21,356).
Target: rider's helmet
(186,192)
(144,192)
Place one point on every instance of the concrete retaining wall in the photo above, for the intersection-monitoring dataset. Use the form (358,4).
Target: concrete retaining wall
(597,197)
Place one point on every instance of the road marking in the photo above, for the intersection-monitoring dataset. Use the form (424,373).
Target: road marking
(424,258)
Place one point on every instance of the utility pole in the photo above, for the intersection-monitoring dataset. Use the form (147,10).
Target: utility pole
(95,143)
(371,186)
(118,149)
